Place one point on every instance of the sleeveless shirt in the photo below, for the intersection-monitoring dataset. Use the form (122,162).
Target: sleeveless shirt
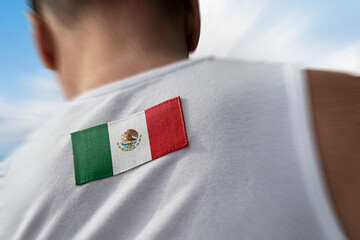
(250,170)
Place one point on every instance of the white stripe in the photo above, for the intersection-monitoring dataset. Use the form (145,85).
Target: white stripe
(125,160)
(309,156)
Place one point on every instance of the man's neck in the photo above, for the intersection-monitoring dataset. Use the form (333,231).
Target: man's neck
(95,73)
(98,52)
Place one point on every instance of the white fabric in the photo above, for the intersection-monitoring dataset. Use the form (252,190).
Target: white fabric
(300,108)
(249,171)
(123,161)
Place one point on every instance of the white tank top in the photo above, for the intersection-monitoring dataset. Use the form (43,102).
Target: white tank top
(250,170)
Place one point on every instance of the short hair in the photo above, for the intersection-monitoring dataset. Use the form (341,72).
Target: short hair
(68,11)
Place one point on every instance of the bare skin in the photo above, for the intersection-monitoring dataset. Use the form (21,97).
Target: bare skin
(111,43)
(335,101)
(88,55)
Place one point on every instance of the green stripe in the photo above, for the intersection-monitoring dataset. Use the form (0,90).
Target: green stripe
(92,154)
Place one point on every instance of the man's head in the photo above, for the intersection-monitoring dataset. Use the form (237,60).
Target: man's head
(72,33)
(68,11)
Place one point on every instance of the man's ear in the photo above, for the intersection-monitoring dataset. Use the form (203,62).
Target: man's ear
(43,39)
(192,24)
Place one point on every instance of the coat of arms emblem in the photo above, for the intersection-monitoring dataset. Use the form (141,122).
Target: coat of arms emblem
(129,140)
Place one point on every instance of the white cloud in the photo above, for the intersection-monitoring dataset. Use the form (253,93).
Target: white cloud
(347,59)
(19,117)
(224,23)
(254,30)
(279,41)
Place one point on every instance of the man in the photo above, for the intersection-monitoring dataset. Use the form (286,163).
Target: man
(239,159)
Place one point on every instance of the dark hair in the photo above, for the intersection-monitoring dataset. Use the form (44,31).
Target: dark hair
(67,11)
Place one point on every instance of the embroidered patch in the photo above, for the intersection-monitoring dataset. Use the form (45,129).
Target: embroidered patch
(115,147)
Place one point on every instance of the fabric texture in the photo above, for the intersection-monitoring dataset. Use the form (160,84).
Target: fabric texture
(166,127)
(124,160)
(249,170)
(92,154)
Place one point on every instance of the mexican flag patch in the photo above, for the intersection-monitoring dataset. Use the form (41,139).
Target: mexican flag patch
(115,147)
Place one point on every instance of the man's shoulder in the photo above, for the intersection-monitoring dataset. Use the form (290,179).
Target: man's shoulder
(236,73)
(335,101)
(243,63)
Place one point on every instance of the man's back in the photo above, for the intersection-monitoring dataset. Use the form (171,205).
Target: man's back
(249,170)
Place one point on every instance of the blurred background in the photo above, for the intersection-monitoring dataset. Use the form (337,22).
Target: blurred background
(315,34)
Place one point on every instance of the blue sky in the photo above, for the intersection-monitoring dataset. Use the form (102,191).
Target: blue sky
(25,86)
(318,34)
(18,57)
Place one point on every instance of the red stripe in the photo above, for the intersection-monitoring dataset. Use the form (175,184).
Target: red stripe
(166,127)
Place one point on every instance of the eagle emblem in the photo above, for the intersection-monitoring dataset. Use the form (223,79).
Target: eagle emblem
(129,140)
